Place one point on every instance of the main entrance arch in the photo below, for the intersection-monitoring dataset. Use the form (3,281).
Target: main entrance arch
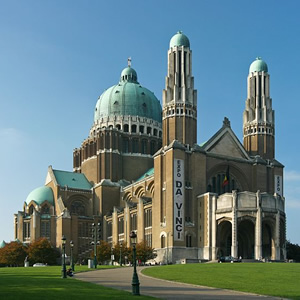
(224,238)
(245,236)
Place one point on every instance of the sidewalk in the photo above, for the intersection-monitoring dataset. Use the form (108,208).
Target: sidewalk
(121,279)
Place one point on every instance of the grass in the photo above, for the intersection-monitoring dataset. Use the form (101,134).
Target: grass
(274,279)
(46,283)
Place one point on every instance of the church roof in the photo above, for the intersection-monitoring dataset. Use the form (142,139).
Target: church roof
(72,180)
(2,244)
(150,172)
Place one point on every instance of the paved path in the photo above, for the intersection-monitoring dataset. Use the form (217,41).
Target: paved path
(120,278)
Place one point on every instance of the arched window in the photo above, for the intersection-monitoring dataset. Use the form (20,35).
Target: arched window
(163,241)
(78,208)
(45,210)
(126,128)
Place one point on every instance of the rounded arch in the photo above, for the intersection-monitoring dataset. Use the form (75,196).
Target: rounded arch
(151,187)
(224,237)
(246,237)
(78,205)
(127,197)
(267,238)
(140,191)
(237,180)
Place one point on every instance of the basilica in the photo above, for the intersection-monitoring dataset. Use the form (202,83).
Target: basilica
(140,169)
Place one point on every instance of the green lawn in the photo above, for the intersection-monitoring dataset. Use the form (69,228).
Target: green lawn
(274,279)
(46,283)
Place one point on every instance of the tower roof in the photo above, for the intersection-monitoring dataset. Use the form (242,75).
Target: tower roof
(179,39)
(258,66)
(128,98)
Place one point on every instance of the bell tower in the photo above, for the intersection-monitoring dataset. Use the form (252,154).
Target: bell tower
(179,96)
(259,122)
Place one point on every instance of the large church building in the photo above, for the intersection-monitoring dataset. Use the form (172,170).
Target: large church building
(140,169)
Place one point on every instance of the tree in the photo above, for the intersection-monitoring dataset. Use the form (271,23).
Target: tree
(103,252)
(125,251)
(293,251)
(144,252)
(13,254)
(42,251)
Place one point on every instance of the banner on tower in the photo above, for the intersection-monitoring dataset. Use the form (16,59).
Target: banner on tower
(278,185)
(178,200)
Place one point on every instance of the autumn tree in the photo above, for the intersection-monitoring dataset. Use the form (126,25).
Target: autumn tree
(13,254)
(123,250)
(42,251)
(103,252)
(144,252)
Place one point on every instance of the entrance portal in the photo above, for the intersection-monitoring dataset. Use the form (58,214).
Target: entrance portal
(246,239)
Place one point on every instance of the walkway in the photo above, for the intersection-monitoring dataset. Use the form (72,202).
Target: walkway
(120,278)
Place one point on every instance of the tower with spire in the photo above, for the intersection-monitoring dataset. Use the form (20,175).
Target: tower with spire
(179,96)
(259,123)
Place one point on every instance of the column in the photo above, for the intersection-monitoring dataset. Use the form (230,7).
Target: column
(276,255)
(213,229)
(258,228)
(234,247)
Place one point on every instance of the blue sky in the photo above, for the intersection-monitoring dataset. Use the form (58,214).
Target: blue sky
(57,57)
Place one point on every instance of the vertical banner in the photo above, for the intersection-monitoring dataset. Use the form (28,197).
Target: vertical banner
(178,200)
(278,185)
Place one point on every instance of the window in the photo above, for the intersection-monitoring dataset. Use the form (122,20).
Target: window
(144,146)
(133,128)
(121,225)
(125,146)
(45,210)
(163,241)
(148,218)
(133,222)
(26,230)
(188,241)
(126,128)
(78,208)
(45,229)
(135,146)
(152,147)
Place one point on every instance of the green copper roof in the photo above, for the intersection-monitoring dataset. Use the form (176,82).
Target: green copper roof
(258,66)
(2,244)
(72,180)
(179,39)
(148,173)
(40,195)
(128,98)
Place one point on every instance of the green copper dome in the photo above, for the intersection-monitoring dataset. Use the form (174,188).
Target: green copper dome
(258,66)
(179,39)
(40,195)
(128,98)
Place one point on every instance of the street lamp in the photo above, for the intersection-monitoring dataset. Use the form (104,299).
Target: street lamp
(63,270)
(120,260)
(72,259)
(96,233)
(135,279)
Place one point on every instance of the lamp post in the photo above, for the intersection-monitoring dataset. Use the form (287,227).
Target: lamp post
(135,279)
(96,233)
(63,270)
(72,259)
(120,260)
